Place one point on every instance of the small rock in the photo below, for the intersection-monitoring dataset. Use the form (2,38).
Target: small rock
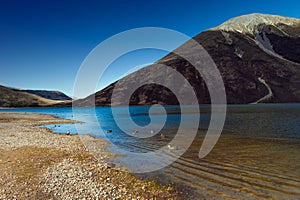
(110,165)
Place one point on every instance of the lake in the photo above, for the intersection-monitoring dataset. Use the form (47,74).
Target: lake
(257,155)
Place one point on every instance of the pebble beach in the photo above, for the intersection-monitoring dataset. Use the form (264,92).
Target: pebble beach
(39,164)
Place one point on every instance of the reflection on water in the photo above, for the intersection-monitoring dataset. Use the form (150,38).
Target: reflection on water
(257,156)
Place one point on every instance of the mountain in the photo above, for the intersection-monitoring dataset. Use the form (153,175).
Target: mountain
(257,55)
(54,95)
(10,97)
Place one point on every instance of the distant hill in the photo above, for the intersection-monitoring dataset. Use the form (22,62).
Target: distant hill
(54,95)
(10,97)
(257,55)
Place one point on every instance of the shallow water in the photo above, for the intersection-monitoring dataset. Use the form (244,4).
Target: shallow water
(257,156)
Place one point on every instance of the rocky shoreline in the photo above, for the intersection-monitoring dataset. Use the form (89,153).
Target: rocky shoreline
(37,164)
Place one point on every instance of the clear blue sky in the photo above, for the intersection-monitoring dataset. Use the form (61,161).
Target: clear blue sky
(42,43)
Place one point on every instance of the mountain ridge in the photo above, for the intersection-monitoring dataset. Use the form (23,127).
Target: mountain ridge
(248,23)
(49,94)
(251,66)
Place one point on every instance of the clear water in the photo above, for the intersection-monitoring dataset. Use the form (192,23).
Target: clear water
(268,121)
(257,156)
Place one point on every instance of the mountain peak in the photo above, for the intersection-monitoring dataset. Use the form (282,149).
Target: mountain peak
(248,23)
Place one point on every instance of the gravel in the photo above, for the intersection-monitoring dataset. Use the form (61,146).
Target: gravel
(70,180)
(37,164)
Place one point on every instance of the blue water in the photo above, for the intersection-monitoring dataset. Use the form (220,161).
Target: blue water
(269,121)
(261,141)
